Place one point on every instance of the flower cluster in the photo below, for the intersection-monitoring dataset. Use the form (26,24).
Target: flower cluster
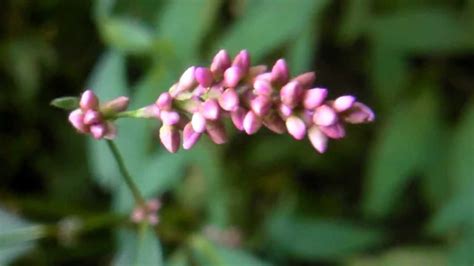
(146,212)
(251,96)
(91,118)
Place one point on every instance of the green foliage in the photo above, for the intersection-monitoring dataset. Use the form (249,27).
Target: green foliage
(66,103)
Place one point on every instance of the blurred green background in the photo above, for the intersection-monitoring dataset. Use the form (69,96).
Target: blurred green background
(399,191)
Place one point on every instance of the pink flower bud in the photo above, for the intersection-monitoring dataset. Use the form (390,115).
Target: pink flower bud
(220,62)
(291,93)
(306,79)
(229,100)
(203,76)
(343,103)
(255,72)
(318,139)
(262,87)
(284,110)
(137,215)
(274,122)
(76,118)
(324,116)
(335,131)
(359,113)
(261,105)
(187,80)
(116,105)
(190,137)
(164,101)
(252,123)
(91,117)
(216,131)
(98,131)
(232,76)
(169,117)
(169,137)
(296,127)
(210,109)
(314,97)
(237,118)
(89,101)
(150,111)
(153,219)
(199,91)
(153,205)
(111,130)
(198,122)
(280,72)
(242,60)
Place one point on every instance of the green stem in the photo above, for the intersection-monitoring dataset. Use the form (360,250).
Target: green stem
(125,174)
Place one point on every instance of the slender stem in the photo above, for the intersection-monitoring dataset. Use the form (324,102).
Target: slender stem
(125,174)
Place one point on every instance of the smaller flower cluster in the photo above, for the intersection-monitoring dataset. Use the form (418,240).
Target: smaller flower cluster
(147,212)
(92,118)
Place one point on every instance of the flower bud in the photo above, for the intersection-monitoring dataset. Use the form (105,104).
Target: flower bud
(169,137)
(220,63)
(280,72)
(89,101)
(216,131)
(252,123)
(198,122)
(116,105)
(210,109)
(274,122)
(229,100)
(296,127)
(242,60)
(153,219)
(76,118)
(359,113)
(291,93)
(169,117)
(91,117)
(237,118)
(324,116)
(111,130)
(306,79)
(313,98)
(261,105)
(343,103)
(335,131)
(203,76)
(232,76)
(164,101)
(317,139)
(190,137)
(153,205)
(284,110)
(187,80)
(262,87)
(98,130)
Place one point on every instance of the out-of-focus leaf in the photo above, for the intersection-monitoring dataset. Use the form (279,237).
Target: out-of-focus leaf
(178,258)
(302,51)
(461,168)
(103,8)
(355,19)
(126,34)
(261,29)
(182,26)
(461,253)
(407,256)
(207,253)
(16,236)
(66,103)
(316,238)
(399,151)
(138,248)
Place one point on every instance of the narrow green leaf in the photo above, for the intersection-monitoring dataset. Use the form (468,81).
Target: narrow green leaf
(398,152)
(66,103)
(261,30)
(126,34)
(356,17)
(461,253)
(302,51)
(178,258)
(409,256)
(138,247)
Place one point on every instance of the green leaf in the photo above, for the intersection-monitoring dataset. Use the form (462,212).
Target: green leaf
(461,253)
(207,253)
(178,258)
(399,152)
(302,51)
(316,238)
(261,30)
(138,248)
(407,256)
(356,17)
(126,34)
(66,103)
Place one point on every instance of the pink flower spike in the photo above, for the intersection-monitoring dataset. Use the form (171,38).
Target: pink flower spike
(317,139)
(98,131)
(314,97)
(280,72)
(210,109)
(242,60)
(203,76)
(91,117)
(274,122)
(169,117)
(232,76)
(169,137)
(306,79)
(262,87)
(76,118)
(343,103)
(335,131)
(198,122)
(291,93)
(187,80)
(111,130)
(296,127)
(89,101)
(229,100)
(284,110)
(261,105)
(220,62)
(116,105)
(237,118)
(359,113)
(324,116)
(216,131)
(190,137)
(252,123)
(164,101)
